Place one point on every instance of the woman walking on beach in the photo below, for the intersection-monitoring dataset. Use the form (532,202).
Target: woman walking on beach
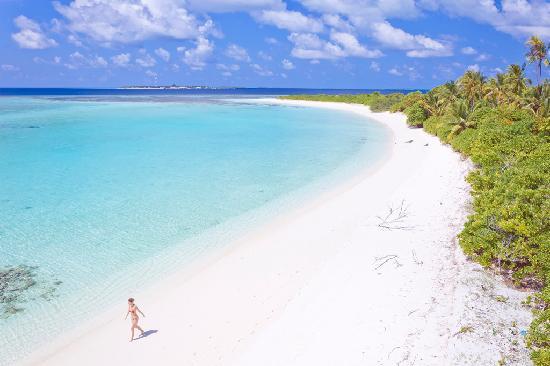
(133,310)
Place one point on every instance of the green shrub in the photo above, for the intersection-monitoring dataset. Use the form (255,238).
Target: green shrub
(406,102)
(538,339)
(376,101)
(416,115)
(438,126)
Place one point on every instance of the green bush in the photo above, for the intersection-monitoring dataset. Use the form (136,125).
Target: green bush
(538,339)
(438,126)
(406,102)
(416,115)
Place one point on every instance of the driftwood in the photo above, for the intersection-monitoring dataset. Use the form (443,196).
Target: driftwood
(394,219)
(415,258)
(385,259)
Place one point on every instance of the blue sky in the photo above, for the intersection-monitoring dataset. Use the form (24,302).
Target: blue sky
(276,43)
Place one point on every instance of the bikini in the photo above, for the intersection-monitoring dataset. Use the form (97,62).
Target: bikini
(133,312)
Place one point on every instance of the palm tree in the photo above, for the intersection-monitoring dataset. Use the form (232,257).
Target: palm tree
(516,80)
(537,54)
(460,112)
(449,92)
(471,85)
(433,103)
(538,100)
(496,90)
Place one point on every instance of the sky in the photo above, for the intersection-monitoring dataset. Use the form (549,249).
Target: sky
(403,44)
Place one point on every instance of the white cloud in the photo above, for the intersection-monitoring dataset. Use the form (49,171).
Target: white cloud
(415,45)
(196,57)
(76,56)
(474,67)
(405,70)
(310,46)
(315,62)
(224,67)
(336,22)
(9,68)
(227,70)
(374,66)
(483,57)
(146,60)
(55,61)
(56,26)
(30,34)
(264,56)
(364,12)
(131,20)
(163,54)
(121,60)
(260,70)
(237,53)
(352,47)
(271,40)
(72,39)
(306,40)
(293,21)
(468,50)
(395,72)
(78,60)
(98,61)
(39,60)
(151,74)
(221,6)
(520,18)
(287,64)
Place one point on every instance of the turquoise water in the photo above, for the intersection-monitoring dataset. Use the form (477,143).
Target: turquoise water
(101,195)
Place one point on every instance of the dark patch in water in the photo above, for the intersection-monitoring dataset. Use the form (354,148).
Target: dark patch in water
(16,126)
(20,284)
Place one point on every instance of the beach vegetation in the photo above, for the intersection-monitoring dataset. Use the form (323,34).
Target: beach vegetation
(502,124)
(376,101)
(465,329)
(416,115)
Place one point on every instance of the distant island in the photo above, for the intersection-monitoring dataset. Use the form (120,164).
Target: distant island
(174,87)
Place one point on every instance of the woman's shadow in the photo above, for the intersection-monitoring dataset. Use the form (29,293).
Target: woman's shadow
(147,333)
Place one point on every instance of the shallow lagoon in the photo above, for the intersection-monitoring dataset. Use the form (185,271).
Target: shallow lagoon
(101,195)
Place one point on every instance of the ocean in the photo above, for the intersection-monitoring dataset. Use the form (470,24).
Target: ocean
(104,193)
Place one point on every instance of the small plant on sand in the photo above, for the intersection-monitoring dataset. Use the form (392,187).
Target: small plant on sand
(501,298)
(465,329)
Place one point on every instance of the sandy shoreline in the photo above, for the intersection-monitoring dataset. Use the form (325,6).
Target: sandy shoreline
(332,284)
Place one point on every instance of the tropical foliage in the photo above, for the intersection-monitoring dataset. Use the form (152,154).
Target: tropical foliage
(378,102)
(503,125)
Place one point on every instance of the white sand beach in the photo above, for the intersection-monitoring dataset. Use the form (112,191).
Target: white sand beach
(341,281)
